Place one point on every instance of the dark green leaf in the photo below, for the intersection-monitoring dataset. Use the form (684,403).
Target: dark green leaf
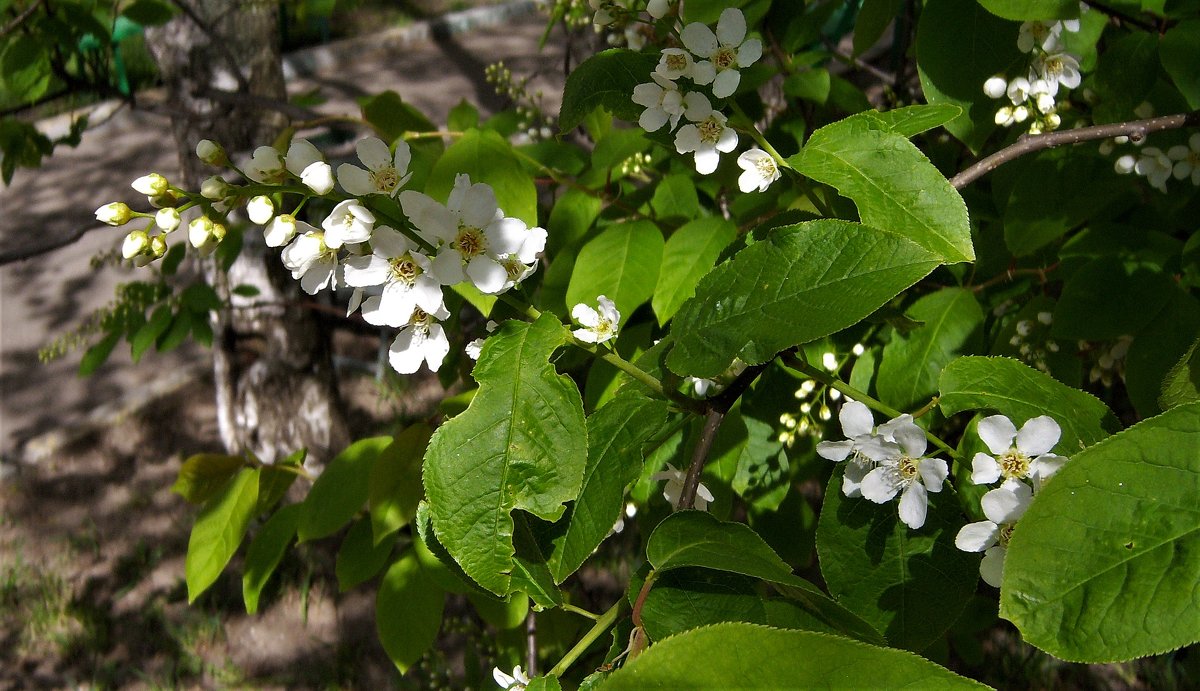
(1107,299)
(1179,51)
(149,12)
(265,551)
(150,331)
(98,354)
(685,599)
(605,79)
(1182,384)
(408,612)
(392,117)
(341,491)
(675,197)
(1026,10)
(913,362)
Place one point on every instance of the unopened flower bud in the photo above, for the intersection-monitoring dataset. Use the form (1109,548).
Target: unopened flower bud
(167,219)
(214,187)
(200,232)
(1020,114)
(1124,165)
(158,246)
(260,209)
(114,214)
(995,87)
(1004,116)
(281,230)
(211,153)
(151,185)
(135,243)
(218,231)
(658,8)
(318,177)
(1053,120)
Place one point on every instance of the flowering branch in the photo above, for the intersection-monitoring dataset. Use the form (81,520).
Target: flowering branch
(718,407)
(1136,130)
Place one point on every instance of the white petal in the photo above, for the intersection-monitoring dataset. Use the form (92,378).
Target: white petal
(371,270)
(355,180)
(487,275)
(318,177)
(976,537)
(402,158)
(696,106)
(505,236)
(687,139)
(428,294)
(585,315)
(703,73)
(436,222)
(585,335)
(731,27)
(1007,503)
(706,160)
(447,267)
(479,206)
(652,119)
(984,469)
(319,275)
(1045,466)
(992,566)
(750,52)
(914,504)
(853,476)
(856,419)
(608,309)
(726,83)
(699,39)
(728,141)
(374,154)
(648,95)
(997,432)
(933,473)
(371,313)
(835,450)
(406,354)
(911,438)
(396,304)
(436,347)
(301,154)
(1038,435)
(749,180)
(389,242)
(533,244)
(877,486)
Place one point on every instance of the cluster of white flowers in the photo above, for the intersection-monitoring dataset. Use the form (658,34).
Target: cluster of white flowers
(1110,360)
(1031,339)
(1032,97)
(1181,162)
(467,239)
(886,461)
(1023,462)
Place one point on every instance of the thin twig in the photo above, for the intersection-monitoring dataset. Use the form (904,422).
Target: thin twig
(24,253)
(1119,15)
(20,18)
(859,64)
(1136,130)
(293,111)
(218,42)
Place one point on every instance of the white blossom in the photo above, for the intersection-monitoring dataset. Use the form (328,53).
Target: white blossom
(283,228)
(1156,165)
(1003,507)
(599,326)
(674,63)
(511,682)
(475,347)
(311,261)
(658,8)
(114,214)
(1187,159)
(1018,454)
(708,139)
(396,264)
(306,162)
(674,488)
(995,87)
(260,209)
(1057,68)
(348,224)
(902,468)
(201,232)
(266,166)
(210,152)
(862,444)
(1039,36)
(422,340)
(167,219)
(385,172)
(662,100)
(723,52)
(759,170)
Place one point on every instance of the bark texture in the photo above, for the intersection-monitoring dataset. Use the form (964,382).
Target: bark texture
(276,388)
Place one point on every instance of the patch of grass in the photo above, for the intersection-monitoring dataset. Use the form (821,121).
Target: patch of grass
(38,603)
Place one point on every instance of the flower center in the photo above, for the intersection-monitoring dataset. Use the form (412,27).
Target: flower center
(676,62)
(514,268)
(405,269)
(420,320)
(766,167)
(385,179)
(1014,464)
(1039,31)
(724,58)
(1054,67)
(323,250)
(1006,532)
(907,467)
(710,131)
(470,242)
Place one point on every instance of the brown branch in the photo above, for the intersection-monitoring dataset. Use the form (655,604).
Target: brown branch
(260,102)
(22,254)
(18,20)
(1136,130)
(1123,17)
(859,64)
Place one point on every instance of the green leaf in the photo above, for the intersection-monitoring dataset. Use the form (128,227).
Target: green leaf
(748,656)
(487,157)
(1157,349)
(1182,384)
(180,328)
(685,599)
(522,443)
(265,552)
(246,290)
(891,182)
(1017,390)
(910,584)
(395,481)
(695,538)
(873,18)
(544,684)
(204,475)
(360,557)
(150,331)
(503,614)
(25,68)
(275,479)
(606,79)
(1106,299)
(953,70)
(616,434)
(392,117)
(531,569)
(408,612)
(1027,10)
(910,121)
(913,362)
(810,85)
(801,283)
(1125,74)
(200,297)
(617,146)
(675,197)
(218,531)
(1179,51)
(1103,565)
(621,263)
(341,490)
(98,354)
(462,117)
(690,253)
(149,12)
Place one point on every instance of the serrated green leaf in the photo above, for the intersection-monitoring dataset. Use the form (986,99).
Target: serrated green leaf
(204,475)
(265,552)
(395,481)
(748,656)
(341,491)
(1102,567)
(953,71)
(522,443)
(801,283)
(1182,384)
(616,434)
(695,538)
(531,555)
(685,599)
(910,121)
(1015,389)
(1179,51)
(488,158)
(392,117)
(675,196)
(690,253)
(605,80)
(913,362)
(891,182)
(361,557)
(621,263)
(910,584)
(219,530)
(1026,10)
(408,612)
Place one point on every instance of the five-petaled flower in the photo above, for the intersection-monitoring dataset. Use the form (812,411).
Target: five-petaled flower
(674,488)
(902,468)
(1003,507)
(386,172)
(396,264)
(724,52)
(759,170)
(1018,454)
(422,340)
(708,138)
(599,326)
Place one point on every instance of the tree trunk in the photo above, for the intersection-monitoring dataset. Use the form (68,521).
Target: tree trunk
(276,388)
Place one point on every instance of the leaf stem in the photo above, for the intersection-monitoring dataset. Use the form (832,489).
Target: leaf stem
(603,623)
(580,611)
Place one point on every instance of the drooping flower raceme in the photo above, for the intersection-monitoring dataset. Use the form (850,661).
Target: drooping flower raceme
(723,52)
(674,488)
(902,468)
(385,172)
(1003,507)
(403,271)
(759,170)
(1019,455)
(599,326)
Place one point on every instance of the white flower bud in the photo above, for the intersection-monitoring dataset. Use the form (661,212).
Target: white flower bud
(135,243)
(1053,121)
(1020,114)
(218,231)
(260,209)
(1125,164)
(1045,103)
(1024,327)
(200,232)
(158,246)
(151,185)
(1121,139)
(214,188)
(318,177)
(281,230)
(167,219)
(658,8)
(829,362)
(1004,116)
(211,152)
(1046,318)
(995,87)
(114,214)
